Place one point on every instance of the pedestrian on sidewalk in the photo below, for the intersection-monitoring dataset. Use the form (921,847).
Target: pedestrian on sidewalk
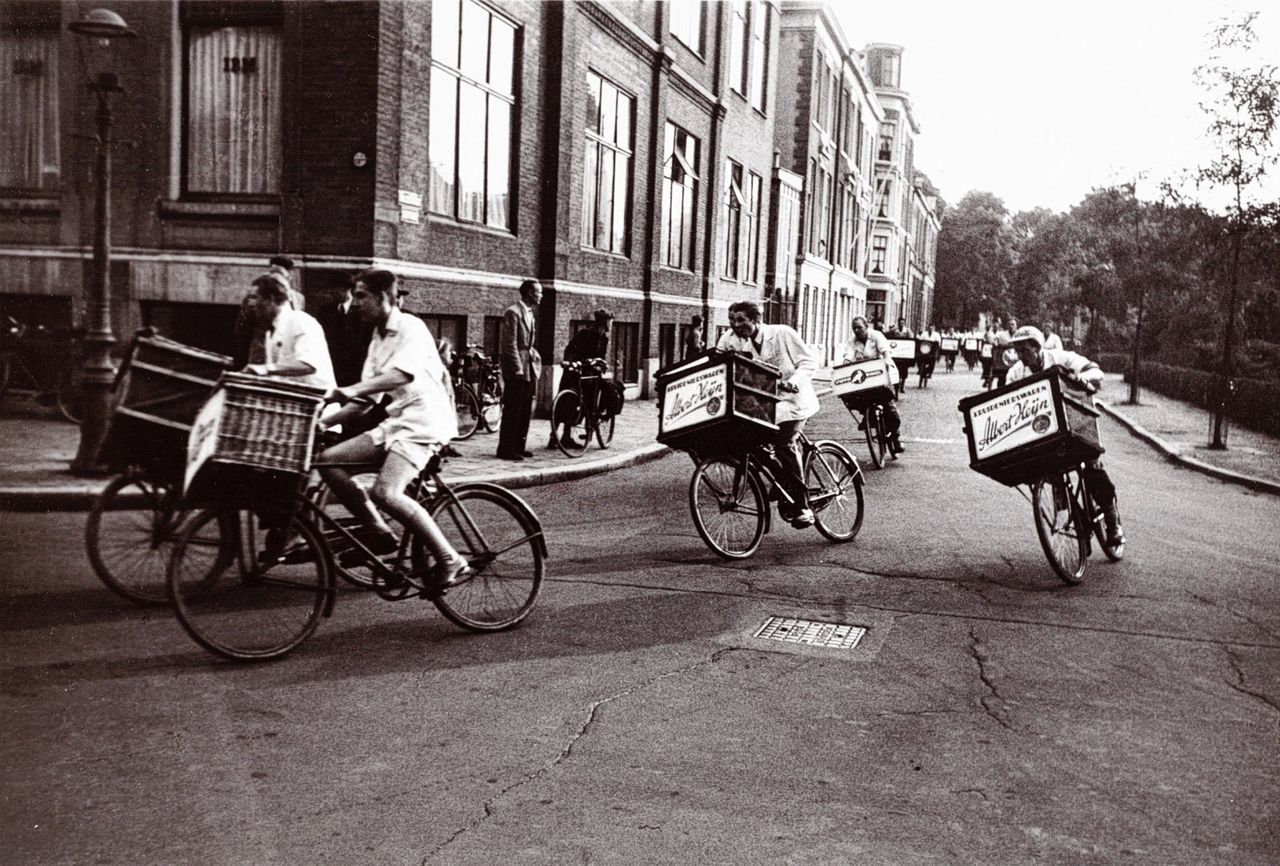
(521,367)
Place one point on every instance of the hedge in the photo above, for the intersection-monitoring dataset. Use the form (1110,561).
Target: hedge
(1255,403)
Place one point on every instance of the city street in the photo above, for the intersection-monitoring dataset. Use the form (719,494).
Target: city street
(991,714)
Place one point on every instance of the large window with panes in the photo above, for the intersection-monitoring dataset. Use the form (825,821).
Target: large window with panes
(473,103)
(686,22)
(751,227)
(734,204)
(879,254)
(29,137)
(624,350)
(887,132)
(679,197)
(749,24)
(233,59)
(847,249)
(606,181)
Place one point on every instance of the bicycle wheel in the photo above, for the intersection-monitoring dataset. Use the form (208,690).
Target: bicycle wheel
(728,508)
(129,542)
(502,541)
(468,407)
(604,430)
(569,424)
(875,442)
(491,406)
(256,610)
(1057,513)
(835,491)
(1115,553)
(357,573)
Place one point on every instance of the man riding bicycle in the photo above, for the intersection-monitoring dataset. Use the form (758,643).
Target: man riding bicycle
(402,360)
(1033,358)
(781,347)
(870,343)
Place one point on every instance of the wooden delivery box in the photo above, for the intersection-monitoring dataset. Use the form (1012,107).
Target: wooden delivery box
(251,445)
(902,348)
(1029,429)
(159,391)
(717,403)
(950,345)
(970,344)
(859,382)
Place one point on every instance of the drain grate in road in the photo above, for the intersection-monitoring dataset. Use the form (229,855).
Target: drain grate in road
(831,635)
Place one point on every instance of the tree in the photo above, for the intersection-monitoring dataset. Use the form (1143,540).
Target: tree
(975,260)
(1242,103)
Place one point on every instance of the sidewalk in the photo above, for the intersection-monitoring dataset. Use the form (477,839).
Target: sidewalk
(37,446)
(1181,432)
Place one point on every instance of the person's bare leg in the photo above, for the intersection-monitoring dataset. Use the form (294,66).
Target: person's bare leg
(388,492)
(358,450)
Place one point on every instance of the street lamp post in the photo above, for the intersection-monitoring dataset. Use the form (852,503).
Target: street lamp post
(99,28)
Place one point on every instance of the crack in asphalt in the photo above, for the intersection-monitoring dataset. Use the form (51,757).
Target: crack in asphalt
(943,614)
(1208,602)
(583,729)
(1241,686)
(978,650)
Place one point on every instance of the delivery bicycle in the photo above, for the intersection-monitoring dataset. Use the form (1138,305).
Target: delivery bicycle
(1068,521)
(46,362)
(580,411)
(729,495)
(270,598)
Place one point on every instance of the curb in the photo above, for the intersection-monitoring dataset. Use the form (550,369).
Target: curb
(1173,455)
(80,497)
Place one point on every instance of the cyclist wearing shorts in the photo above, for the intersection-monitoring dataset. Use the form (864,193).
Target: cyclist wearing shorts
(402,360)
(781,347)
(1028,343)
(868,343)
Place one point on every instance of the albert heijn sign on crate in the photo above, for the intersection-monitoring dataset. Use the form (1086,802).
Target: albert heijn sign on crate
(1024,415)
(716,401)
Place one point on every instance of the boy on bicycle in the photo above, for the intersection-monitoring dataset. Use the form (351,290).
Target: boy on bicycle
(781,347)
(870,343)
(402,360)
(1033,358)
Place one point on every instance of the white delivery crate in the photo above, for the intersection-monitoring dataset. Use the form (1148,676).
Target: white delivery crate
(852,377)
(902,348)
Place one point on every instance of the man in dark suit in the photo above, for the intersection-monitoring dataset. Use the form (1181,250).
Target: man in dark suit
(521,367)
(348,338)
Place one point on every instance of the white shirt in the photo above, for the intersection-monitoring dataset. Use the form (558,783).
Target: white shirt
(1085,369)
(781,347)
(875,346)
(1053,342)
(296,336)
(422,409)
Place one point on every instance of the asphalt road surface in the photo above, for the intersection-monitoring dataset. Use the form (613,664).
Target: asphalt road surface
(990,714)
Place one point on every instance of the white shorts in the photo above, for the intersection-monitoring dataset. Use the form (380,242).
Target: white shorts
(392,438)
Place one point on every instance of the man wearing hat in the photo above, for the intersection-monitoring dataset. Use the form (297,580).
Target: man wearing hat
(1033,358)
(589,343)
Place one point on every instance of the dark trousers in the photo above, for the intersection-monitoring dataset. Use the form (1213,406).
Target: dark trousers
(1101,489)
(517,409)
(786,462)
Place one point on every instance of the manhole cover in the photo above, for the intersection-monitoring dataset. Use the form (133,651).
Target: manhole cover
(832,635)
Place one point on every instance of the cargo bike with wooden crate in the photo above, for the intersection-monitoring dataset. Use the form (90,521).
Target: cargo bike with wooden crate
(131,527)
(865,387)
(720,409)
(1042,432)
(250,457)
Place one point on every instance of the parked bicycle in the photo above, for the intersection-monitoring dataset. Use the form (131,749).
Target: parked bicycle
(477,392)
(581,410)
(729,496)
(45,362)
(269,598)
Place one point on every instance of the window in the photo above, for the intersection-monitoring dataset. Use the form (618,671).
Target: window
(667,344)
(606,167)
(846,250)
(739,53)
(492,336)
(679,193)
(879,253)
(451,328)
(883,194)
(624,350)
(751,273)
(734,203)
(233,95)
(820,88)
(686,22)
(887,132)
(759,73)
(29,140)
(820,196)
(472,103)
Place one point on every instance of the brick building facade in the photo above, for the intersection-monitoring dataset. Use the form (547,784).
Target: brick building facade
(623,153)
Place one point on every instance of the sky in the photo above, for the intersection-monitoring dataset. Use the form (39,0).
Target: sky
(1038,103)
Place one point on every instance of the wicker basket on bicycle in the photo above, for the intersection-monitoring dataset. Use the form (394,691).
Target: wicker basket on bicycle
(717,403)
(1030,428)
(159,390)
(252,444)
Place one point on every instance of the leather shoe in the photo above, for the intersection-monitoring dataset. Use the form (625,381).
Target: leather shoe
(446,575)
(526,453)
(803,519)
(515,457)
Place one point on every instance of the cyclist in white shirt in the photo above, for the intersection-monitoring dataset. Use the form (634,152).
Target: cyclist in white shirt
(293,341)
(867,343)
(403,361)
(1028,343)
(780,346)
